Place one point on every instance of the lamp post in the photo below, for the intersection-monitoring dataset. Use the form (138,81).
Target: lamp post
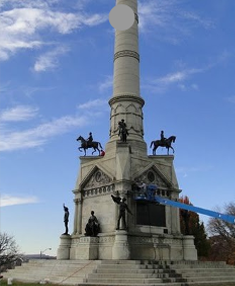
(42,251)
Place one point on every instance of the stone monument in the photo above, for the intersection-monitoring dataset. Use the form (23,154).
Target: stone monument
(153,231)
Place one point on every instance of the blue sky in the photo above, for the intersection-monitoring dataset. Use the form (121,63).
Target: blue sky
(55,83)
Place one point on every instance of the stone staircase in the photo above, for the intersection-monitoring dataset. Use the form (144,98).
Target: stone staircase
(205,273)
(131,272)
(67,272)
(125,273)
(159,273)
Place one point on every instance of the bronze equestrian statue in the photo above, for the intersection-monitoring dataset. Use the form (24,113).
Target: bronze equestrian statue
(86,144)
(164,142)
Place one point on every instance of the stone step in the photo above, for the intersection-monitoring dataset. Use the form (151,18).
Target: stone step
(225,283)
(123,280)
(134,275)
(206,273)
(210,278)
(120,266)
(123,262)
(129,275)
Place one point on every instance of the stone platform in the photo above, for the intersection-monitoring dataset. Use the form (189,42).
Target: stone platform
(125,273)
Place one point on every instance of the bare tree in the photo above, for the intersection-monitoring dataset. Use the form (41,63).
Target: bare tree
(222,237)
(8,250)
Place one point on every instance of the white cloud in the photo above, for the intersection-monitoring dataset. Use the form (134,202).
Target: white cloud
(170,18)
(34,137)
(7,200)
(18,113)
(97,103)
(21,26)
(49,60)
(161,84)
(106,84)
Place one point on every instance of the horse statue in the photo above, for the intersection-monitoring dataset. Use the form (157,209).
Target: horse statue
(166,143)
(85,145)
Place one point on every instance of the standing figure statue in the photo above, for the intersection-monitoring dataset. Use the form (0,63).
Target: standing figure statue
(122,211)
(66,219)
(123,132)
(92,227)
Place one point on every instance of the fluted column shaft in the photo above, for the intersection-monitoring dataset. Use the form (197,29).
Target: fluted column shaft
(126,102)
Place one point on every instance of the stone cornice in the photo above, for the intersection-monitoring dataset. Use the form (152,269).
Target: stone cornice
(126,53)
(126,97)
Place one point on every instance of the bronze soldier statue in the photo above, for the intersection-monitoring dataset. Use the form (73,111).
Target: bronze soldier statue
(122,211)
(66,219)
(123,132)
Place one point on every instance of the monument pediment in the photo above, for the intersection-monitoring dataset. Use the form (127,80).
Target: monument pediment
(96,178)
(152,175)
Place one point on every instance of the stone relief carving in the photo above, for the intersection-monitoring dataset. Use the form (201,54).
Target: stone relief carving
(152,177)
(126,53)
(98,179)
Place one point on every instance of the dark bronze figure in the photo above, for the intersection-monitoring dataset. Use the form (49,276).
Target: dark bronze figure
(122,211)
(92,227)
(163,139)
(89,143)
(163,143)
(66,219)
(123,132)
(89,140)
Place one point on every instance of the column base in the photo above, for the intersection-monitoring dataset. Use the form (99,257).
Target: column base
(63,252)
(121,249)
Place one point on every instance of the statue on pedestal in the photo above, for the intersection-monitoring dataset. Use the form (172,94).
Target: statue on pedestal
(163,142)
(89,143)
(92,226)
(123,132)
(66,219)
(122,211)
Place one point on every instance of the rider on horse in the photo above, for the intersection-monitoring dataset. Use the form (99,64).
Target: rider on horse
(89,140)
(163,139)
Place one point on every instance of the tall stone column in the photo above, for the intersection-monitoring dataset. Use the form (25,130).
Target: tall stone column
(126,102)
(75,216)
(79,221)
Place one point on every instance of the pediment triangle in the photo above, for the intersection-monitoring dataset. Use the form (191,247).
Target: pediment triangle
(152,175)
(96,177)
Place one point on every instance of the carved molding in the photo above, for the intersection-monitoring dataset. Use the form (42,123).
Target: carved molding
(89,239)
(99,191)
(151,177)
(127,53)
(98,178)
(118,98)
(109,239)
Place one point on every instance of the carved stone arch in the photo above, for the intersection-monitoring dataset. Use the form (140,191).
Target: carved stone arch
(118,108)
(131,108)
